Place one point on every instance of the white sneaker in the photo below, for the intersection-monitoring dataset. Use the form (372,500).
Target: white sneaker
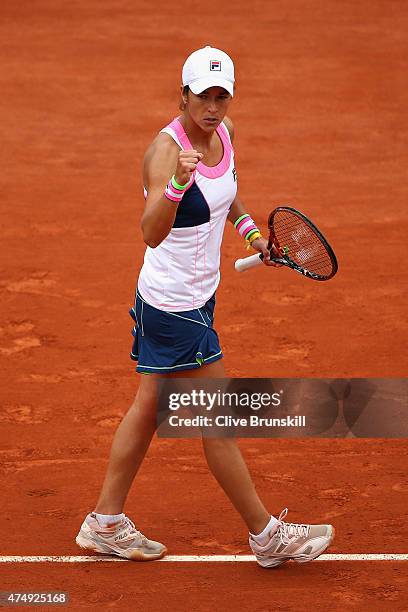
(122,539)
(295,541)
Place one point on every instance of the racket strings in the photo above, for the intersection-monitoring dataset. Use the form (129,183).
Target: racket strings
(301,244)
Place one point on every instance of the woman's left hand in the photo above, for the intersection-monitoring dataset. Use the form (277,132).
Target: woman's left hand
(261,245)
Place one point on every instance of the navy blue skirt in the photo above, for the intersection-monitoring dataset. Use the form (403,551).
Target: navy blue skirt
(165,342)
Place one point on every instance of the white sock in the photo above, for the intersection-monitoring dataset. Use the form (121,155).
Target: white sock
(106,520)
(263,538)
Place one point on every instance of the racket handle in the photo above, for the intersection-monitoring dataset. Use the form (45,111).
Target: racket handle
(248,262)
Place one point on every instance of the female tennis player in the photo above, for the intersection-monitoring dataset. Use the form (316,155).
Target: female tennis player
(191,190)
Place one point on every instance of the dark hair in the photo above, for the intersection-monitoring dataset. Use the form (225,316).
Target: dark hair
(186,89)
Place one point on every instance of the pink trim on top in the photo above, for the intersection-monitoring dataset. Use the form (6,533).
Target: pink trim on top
(207,171)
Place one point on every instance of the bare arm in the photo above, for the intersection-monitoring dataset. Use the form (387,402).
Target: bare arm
(237,209)
(159,213)
(163,159)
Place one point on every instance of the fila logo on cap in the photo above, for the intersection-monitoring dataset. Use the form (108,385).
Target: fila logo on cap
(208,67)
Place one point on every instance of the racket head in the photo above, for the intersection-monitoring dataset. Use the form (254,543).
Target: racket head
(298,243)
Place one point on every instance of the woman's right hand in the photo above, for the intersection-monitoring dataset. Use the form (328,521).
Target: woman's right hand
(186,165)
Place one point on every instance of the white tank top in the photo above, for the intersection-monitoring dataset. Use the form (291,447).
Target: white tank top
(182,273)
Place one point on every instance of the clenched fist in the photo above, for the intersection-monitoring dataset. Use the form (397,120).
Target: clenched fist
(187,163)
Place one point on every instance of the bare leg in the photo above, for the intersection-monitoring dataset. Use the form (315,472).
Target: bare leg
(230,470)
(130,444)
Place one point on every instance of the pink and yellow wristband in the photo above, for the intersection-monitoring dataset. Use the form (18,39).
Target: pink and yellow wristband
(174,191)
(246,227)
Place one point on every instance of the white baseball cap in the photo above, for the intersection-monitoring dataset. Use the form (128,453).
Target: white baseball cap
(208,67)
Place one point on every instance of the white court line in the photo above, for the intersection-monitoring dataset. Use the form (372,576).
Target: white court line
(194,558)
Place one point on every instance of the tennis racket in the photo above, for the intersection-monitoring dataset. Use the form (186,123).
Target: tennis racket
(294,241)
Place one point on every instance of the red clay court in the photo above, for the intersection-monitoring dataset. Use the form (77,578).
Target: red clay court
(321,123)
